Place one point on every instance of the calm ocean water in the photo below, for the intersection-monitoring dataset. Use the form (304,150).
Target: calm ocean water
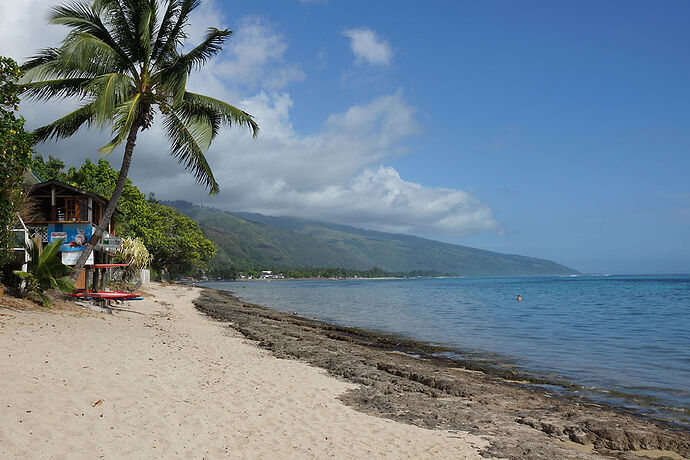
(621,339)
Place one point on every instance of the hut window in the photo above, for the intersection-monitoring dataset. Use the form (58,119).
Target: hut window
(71,209)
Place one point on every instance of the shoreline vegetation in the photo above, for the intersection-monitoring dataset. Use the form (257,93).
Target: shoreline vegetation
(319,273)
(408,381)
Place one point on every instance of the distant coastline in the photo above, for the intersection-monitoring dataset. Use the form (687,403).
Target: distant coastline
(319,279)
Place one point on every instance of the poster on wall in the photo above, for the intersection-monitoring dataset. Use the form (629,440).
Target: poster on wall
(70,258)
(75,236)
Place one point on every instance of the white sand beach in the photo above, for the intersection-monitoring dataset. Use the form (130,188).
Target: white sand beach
(165,381)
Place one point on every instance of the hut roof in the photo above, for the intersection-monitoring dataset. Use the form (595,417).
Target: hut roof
(71,188)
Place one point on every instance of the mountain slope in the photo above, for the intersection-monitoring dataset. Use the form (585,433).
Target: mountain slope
(249,240)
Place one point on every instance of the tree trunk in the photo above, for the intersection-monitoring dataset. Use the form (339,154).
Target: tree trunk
(110,209)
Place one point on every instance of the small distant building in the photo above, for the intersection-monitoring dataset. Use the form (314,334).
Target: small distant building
(268,274)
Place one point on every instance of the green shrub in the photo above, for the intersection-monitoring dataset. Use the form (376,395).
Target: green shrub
(46,271)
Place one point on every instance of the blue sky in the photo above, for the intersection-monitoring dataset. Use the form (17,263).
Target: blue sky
(551,129)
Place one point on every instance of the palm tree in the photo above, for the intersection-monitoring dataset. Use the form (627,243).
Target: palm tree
(122,59)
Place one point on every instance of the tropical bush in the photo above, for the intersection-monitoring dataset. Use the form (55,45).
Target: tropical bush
(134,253)
(15,155)
(46,271)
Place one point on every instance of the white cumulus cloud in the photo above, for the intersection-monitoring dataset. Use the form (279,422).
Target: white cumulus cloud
(255,57)
(368,47)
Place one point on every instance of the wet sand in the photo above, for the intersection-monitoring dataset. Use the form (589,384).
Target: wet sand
(401,380)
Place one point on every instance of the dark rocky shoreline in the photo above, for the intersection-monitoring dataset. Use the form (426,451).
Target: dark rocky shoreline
(403,380)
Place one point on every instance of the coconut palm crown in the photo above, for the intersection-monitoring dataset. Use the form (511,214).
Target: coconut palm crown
(123,60)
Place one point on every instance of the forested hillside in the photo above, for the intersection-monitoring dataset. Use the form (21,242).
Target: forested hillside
(247,240)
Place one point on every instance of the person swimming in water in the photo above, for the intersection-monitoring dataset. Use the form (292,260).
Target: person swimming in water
(519,299)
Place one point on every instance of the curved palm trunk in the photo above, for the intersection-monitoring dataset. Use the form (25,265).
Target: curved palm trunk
(110,209)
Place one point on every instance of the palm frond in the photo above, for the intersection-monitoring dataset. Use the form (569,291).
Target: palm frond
(185,148)
(51,249)
(177,35)
(230,114)
(82,55)
(77,15)
(65,126)
(139,15)
(46,65)
(172,81)
(198,114)
(147,27)
(81,16)
(64,284)
(60,88)
(173,76)
(52,64)
(44,56)
(175,67)
(22,275)
(166,26)
(202,123)
(116,16)
(123,116)
(89,52)
(212,44)
(111,90)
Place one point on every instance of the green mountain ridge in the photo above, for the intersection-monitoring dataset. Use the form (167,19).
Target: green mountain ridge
(247,240)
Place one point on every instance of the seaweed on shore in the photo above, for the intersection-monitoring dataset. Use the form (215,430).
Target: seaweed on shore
(406,380)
